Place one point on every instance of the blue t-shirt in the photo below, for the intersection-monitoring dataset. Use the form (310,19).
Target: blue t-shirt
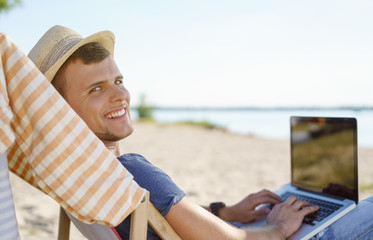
(164,193)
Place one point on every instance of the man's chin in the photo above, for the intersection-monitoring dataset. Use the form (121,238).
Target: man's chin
(126,135)
(109,137)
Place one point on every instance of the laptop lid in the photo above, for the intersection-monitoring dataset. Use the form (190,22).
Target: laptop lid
(324,155)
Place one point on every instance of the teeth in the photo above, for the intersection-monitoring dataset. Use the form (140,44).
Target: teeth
(116,114)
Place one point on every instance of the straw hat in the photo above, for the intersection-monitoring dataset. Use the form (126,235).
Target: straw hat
(57,45)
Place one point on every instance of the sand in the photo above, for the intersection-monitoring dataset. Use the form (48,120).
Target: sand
(209,165)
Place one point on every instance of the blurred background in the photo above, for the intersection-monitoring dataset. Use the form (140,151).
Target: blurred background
(215,53)
(246,66)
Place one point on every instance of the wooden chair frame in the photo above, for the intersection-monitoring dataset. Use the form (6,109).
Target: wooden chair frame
(143,215)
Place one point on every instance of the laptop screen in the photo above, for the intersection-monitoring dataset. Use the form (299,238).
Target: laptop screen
(324,155)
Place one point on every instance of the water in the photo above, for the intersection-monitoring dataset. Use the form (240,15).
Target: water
(273,124)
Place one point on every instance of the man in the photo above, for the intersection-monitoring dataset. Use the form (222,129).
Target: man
(85,73)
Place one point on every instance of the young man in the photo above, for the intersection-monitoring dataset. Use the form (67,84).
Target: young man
(85,73)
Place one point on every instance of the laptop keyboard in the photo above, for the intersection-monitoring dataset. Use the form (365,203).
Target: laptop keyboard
(325,208)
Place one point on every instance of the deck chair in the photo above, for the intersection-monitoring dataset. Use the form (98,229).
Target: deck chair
(37,131)
(8,221)
(144,214)
(49,146)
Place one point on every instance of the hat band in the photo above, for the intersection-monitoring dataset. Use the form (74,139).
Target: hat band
(57,52)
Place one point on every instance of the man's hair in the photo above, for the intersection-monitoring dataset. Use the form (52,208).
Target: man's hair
(89,53)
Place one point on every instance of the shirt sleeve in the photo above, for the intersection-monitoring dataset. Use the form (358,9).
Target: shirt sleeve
(164,193)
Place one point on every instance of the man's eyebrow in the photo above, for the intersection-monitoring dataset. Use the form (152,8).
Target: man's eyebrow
(95,84)
(119,77)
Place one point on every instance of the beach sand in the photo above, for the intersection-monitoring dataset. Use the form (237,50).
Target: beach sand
(208,164)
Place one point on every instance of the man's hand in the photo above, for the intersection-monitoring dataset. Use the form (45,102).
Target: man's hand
(245,211)
(289,215)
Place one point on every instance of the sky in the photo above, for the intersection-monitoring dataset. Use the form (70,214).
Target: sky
(214,53)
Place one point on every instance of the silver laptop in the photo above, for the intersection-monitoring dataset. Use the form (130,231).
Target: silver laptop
(323,170)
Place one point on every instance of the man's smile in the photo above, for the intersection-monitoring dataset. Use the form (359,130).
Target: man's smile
(116,114)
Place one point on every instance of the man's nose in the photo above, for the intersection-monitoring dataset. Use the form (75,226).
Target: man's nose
(119,94)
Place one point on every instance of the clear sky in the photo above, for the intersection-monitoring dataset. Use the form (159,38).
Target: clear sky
(223,53)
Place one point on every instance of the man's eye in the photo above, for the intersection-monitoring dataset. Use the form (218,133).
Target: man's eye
(118,82)
(96,89)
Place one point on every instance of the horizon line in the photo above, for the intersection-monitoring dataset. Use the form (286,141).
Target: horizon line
(353,108)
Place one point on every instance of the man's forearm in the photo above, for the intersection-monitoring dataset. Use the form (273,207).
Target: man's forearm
(272,232)
(190,221)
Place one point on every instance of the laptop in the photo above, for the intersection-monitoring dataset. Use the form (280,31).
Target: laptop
(323,170)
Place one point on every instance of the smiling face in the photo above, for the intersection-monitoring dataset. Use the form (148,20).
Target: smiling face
(97,94)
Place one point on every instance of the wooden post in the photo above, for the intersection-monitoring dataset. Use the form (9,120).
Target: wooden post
(64,226)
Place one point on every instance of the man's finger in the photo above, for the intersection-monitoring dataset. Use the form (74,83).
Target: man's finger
(261,212)
(263,200)
(264,196)
(291,200)
(309,209)
(270,194)
(299,204)
(258,214)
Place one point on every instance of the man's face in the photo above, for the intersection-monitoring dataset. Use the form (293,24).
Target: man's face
(96,93)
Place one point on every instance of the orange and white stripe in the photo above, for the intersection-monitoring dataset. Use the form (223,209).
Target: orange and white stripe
(50,147)
(8,221)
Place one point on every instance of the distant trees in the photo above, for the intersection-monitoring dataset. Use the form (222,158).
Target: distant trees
(6,5)
(144,110)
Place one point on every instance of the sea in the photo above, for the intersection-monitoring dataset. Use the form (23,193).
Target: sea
(264,123)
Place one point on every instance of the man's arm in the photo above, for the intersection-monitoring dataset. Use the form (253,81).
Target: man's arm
(191,221)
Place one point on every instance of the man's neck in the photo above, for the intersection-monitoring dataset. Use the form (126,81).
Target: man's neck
(113,147)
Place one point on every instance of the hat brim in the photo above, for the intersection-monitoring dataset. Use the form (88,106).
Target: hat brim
(105,38)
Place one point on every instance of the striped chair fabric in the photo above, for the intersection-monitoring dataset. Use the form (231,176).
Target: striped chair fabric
(50,147)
